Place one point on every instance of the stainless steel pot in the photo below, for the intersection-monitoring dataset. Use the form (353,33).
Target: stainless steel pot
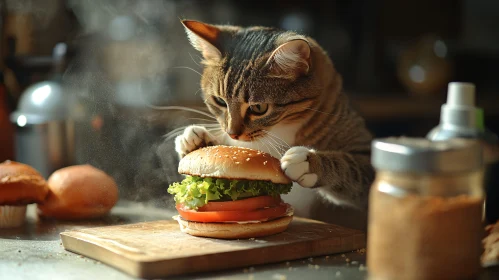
(44,128)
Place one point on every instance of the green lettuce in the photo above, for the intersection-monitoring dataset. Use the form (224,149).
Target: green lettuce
(194,192)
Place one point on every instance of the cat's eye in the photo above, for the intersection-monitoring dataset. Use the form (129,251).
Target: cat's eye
(219,101)
(259,109)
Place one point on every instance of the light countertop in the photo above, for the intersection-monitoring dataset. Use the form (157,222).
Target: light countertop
(35,252)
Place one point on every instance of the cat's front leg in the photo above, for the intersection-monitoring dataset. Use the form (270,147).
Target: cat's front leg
(295,164)
(341,177)
(193,138)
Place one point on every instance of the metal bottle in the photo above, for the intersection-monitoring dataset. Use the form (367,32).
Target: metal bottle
(460,118)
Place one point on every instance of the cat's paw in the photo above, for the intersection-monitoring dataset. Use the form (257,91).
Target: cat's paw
(295,165)
(193,138)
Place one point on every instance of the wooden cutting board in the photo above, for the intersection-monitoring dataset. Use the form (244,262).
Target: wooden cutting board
(159,249)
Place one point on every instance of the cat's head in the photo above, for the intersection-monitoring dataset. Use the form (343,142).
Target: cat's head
(255,78)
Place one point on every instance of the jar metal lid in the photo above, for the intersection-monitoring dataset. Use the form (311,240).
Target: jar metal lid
(419,155)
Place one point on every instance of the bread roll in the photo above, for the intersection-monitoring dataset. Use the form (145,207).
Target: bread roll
(79,192)
(20,184)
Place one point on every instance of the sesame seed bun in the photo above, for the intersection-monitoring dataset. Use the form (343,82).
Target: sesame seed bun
(21,184)
(79,192)
(231,162)
(234,230)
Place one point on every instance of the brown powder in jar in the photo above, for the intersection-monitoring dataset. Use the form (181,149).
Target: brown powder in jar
(416,237)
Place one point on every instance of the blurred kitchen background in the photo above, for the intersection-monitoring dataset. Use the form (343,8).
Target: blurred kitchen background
(79,77)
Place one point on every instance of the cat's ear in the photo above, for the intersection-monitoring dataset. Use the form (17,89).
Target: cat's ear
(204,37)
(290,60)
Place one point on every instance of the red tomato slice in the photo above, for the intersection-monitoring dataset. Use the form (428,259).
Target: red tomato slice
(262,214)
(246,204)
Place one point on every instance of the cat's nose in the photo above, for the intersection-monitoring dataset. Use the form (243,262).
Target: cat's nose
(234,136)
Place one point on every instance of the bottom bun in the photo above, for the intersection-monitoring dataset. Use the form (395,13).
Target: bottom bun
(234,230)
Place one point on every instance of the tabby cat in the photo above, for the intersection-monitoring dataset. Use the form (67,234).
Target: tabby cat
(267,85)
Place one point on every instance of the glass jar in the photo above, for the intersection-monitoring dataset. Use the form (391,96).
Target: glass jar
(425,209)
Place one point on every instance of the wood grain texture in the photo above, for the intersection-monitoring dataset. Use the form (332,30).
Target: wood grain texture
(160,249)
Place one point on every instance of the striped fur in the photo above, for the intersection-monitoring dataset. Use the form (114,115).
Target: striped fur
(306,104)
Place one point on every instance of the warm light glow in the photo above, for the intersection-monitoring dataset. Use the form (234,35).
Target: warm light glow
(417,74)
(440,49)
(21,120)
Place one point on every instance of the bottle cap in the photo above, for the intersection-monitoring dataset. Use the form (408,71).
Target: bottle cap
(460,113)
(461,94)
(419,155)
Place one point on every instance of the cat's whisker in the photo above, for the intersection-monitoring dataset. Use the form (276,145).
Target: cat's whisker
(182,108)
(269,145)
(257,143)
(188,68)
(260,140)
(194,60)
(217,132)
(213,130)
(280,150)
(276,141)
(318,111)
(277,145)
(196,93)
(174,132)
(206,120)
(281,141)
(177,131)
(207,124)
(273,135)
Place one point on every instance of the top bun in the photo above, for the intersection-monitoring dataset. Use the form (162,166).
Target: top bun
(21,184)
(231,162)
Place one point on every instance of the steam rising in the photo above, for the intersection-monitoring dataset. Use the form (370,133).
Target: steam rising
(132,56)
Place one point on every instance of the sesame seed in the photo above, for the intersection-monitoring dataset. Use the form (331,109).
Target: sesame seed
(237,162)
(248,159)
(234,157)
(265,163)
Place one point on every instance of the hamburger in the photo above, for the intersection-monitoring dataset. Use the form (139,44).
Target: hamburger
(231,192)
